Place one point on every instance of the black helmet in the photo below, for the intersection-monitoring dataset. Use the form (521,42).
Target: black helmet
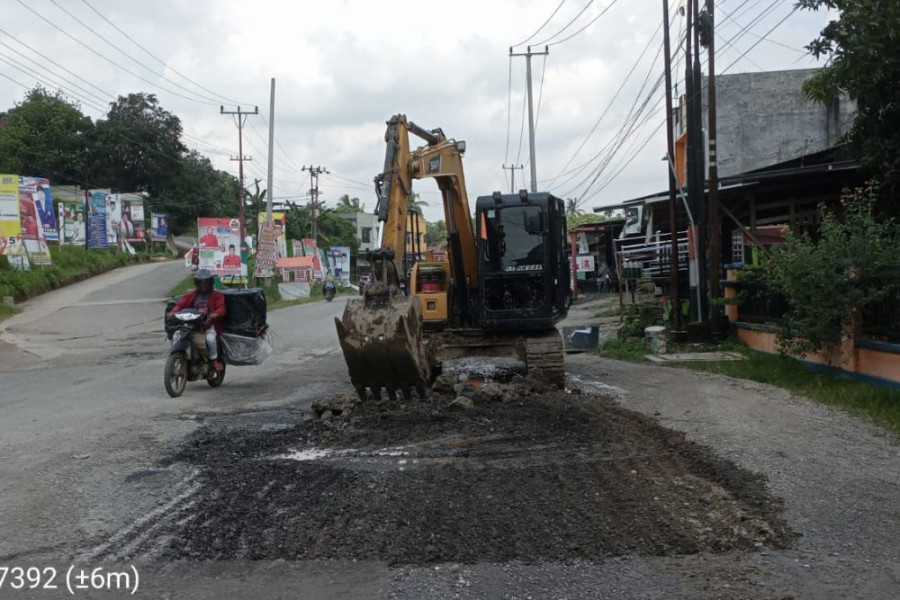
(203,275)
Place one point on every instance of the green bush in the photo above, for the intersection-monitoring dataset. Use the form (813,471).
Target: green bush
(638,317)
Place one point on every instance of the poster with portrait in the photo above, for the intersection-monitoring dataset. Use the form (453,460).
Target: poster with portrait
(10,222)
(36,190)
(220,249)
(97,236)
(159,227)
(32,232)
(634,223)
(278,219)
(130,218)
(339,262)
(73,230)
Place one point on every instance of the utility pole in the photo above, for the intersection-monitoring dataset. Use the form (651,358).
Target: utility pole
(715,224)
(240,119)
(314,173)
(670,150)
(700,175)
(528,56)
(269,175)
(512,183)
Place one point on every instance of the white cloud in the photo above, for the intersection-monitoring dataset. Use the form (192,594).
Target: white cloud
(344,67)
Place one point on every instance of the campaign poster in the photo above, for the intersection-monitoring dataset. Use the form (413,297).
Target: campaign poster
(159,227)
(220,249)
(32,232)
(266,250)
(37,191)
(131,226)
(72,231)
(113,218)
(97,236)
(339,262)
(10,222)
(296,248)
(278,219)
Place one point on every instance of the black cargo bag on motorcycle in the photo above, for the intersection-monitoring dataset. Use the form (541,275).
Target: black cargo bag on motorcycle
(244,327)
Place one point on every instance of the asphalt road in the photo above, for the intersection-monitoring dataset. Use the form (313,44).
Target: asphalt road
(85,414)
(86,426)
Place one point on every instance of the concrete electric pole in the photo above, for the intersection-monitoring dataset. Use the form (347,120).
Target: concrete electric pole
(314,173)
(269,175)
(512,183)
(528,56)
(240,119)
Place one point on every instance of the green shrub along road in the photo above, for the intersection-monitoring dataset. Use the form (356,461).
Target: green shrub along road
(70,264)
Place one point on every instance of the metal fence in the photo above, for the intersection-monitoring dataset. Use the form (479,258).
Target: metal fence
(760,304)
(882,321)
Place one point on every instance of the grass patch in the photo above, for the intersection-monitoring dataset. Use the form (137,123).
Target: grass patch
(879,404)
(6,311)
(630,350)
(70,264)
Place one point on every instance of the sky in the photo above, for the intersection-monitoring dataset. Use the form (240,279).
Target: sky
(343,67)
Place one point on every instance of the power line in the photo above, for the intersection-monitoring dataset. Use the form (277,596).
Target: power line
(611,102)
(553,14)
(39,66)
(125,54)
(569,24)
(508,109)
(591,22)
(777,25)
(537,114)
(107,59)
(154,57)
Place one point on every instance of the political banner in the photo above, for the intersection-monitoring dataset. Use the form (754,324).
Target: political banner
(586,262)
(32,233)
(97,236)
(296,248)
(220,249)
(266,251)
(339,262)
(159,227)
(278,219)
(130,218)
(36,190)
(10,223)
(11,244)
(73,227)
(309,249)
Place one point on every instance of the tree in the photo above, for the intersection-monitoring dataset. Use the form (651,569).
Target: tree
(846,269)
(332,230)
(346,204)
(199,190)
(436,234)
(415,205)
(572,209)
(862,61)
(46,135)
(138,147)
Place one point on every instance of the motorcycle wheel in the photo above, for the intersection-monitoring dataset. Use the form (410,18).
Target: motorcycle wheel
(217,378)
(176,374)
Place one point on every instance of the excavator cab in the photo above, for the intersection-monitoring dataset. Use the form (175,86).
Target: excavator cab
(523,261)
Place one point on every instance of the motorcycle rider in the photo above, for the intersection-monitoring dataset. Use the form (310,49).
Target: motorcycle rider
(204,298)
(329,285)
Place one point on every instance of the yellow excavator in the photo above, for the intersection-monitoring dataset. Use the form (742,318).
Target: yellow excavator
(504,285)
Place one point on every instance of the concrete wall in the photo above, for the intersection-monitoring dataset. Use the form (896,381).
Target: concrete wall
(361,221)
(764,119)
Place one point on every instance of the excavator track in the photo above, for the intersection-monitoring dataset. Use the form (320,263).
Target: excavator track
(540,351)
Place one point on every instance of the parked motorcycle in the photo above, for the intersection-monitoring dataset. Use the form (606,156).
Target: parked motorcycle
(188,356)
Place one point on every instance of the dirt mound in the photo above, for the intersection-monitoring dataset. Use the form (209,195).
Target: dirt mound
(550,476)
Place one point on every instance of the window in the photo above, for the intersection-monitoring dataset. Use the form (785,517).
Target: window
(515,238)
(366,235)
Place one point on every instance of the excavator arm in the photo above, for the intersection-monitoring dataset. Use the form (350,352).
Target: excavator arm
(440,159)
(381,334)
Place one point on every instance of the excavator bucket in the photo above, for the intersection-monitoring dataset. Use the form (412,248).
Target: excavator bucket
(381,337)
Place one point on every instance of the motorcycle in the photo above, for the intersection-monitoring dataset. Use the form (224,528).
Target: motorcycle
(329,293)
(188,356)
